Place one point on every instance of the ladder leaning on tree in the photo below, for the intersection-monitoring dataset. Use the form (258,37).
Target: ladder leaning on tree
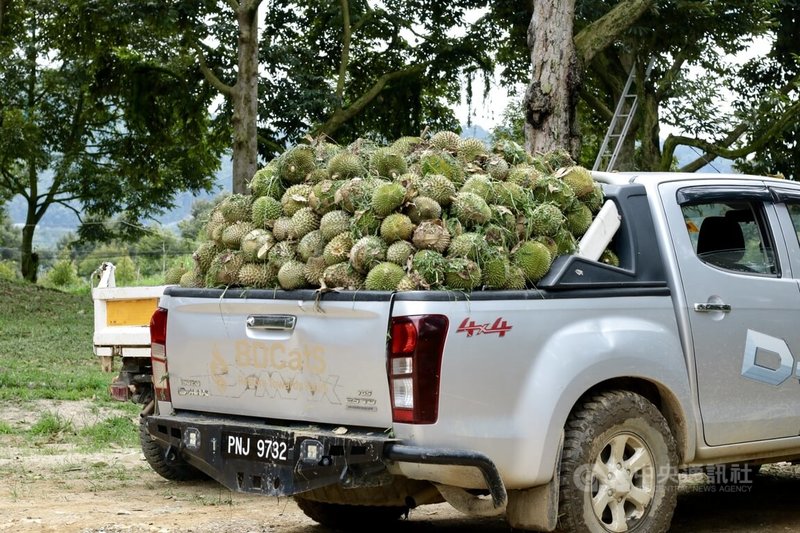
(620,123)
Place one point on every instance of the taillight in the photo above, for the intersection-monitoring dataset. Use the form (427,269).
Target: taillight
(414,367)
(158,354)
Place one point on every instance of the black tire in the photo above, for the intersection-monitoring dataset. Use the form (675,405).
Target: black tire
(618,467)
(350,517)
(154,453)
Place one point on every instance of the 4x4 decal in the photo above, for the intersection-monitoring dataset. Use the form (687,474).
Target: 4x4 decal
(468,326)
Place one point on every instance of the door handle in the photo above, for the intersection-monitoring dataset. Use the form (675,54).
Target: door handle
(709,308)
(271,322)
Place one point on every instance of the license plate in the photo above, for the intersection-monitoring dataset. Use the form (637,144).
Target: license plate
(271,449)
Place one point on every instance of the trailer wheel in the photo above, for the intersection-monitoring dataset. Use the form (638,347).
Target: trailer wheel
(619,467)
(154,453)
(350,517)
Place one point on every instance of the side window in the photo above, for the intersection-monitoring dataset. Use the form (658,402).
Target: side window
(794,213)
(732,236)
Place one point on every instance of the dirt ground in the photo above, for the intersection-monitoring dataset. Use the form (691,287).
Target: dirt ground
(55,488)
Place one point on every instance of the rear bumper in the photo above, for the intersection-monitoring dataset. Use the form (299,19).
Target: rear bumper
(283,460)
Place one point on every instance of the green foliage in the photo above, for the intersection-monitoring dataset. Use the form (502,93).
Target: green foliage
(125,274)
(51,427)
(9,270)
(63,274)
(116,431)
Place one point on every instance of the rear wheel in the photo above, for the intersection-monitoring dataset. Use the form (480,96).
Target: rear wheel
(619,467)
(350,517)
(174,470)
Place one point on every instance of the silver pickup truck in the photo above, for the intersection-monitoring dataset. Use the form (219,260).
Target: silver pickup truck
(572,406)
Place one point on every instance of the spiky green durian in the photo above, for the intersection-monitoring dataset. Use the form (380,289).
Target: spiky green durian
(304,221)
(515,280)
(173,275)
(315,270)
(317,175)
(500,236)
(384,277)
(232,235)
(533,258)
(294,164)
(333,223)
(609,257)
(411,282)
(396,227)
(204,254)
(254,241)
(423,208)
(431,235)
(258,275)
(579,218)
(292,275)
(192,279)
(480,184)
(343,275)
(280,253)
(549,243)
(364,223)
(215,224)
(236,208)
(388,163)
(557,159)
(546,219)
(404,145)
(578,179)
(565,241)
(470,209)
(512,152)
(387,197)
(310,245)
(367,252)
(594,201)
(266,182)
(511,195)
(224,269)
(399,252)
(550,189)
(282,228)
(323,196)
(443,164)
(504,217)
(345,165)
(437,187)
(338,249)
(354,194)
(295,198)
(265,211)
(471,149)
(496,167)
(524,175)
(462,274)
(431,266)
(324,152)
(469,245)
(446,140)
(496,270)
(454,226)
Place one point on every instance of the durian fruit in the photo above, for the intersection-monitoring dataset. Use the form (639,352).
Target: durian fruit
(295,198)
(258,275)
(462,274)
(496,270)
(594,201)
(557,159)
(471,149)
(355,194)
(324,152)
(431,235)
(338,249)
(367,252)
(323,196)
(446,140)
(578,179)
(224,269)
(236,208)
(387,197)
(233,234)
(511,195)
(431,266)
(411,282)
(333,223)
(317,175)
(443,164)
(295,164)
(215,224)
(480,184)
(266,182)
(192,279)
(468,245)
(565,241)
(437,187)
(579,218)
(265,211)
(500,236)
(173,275)
(280,253)
(345,165)
(496,167)
(365,222)
(515,280)
(388,163)
(304,221)
(546,219)
(609,257)
(204,254)
(315,270)
(404,145)
(399,251)
(549,243)
(396,227)
(282,228)
(511,151)
(550,189)
(470,209)
(384,277)
(342,275)
(312,244)
(524,175)
(423,208)
(254,241)
(292,275)
(533,258)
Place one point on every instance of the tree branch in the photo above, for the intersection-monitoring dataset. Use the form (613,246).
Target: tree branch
(597,104)
(345,53)
(601,33)
(665,83)
(212,78)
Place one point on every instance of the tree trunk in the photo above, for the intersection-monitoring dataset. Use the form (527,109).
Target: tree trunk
(245,99)
(551,98)
(29,261)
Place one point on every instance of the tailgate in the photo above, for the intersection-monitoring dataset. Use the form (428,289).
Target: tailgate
(281,355)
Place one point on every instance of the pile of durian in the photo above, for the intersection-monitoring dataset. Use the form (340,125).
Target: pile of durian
(437,213)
